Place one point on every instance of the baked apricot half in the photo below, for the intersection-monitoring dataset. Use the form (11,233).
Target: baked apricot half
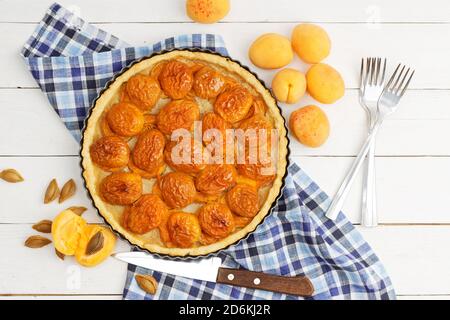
(242,199)
(145,214)
(214,130)
(216,220)
(125,119)
(233,104)
(177,114)
(208,83)
(177,189)
(184,229)
(149,150)
(188,159)
(143,90)
(257,132)
(110,153)
(215,179)
(121,188)
(260,169)
(176,79)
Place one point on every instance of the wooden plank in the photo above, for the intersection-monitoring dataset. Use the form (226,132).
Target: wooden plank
(24,270)
(410,190)
(415,257)
(25,204)
(398,42)
(248,10)
(29,126)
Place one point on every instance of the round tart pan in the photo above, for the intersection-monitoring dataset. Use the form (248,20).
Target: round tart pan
(119,234)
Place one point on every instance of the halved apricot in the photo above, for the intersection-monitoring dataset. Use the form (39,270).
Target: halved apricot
(95,245)
(67,230)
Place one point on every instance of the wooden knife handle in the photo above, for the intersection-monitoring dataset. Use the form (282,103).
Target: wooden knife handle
(299,286)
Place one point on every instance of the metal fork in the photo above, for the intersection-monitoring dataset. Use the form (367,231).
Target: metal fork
(387,104)
(372,76)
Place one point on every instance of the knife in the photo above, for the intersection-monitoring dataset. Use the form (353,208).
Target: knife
(210,269)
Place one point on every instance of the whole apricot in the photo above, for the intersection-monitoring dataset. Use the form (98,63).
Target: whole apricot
(310,42)
(271,51)
(289,85)
(207,11)
(324,83)
(310,126)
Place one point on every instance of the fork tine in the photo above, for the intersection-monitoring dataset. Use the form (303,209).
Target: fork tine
(407,83)
(394,86)
(400,85)
(384,72)
(372,71)
(386,87)
(366,79)
(378,70)
(361,75)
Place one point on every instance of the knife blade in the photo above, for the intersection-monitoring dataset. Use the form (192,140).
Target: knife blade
(209,269)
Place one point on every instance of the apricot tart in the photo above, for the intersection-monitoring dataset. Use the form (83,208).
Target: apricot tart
(184,153)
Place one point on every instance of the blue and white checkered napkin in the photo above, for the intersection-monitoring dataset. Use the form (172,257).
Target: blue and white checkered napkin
(72,60)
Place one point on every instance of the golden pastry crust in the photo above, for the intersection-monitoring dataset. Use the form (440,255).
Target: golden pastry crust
(121,188)
(153,240)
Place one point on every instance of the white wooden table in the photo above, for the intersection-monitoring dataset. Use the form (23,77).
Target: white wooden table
(413,153)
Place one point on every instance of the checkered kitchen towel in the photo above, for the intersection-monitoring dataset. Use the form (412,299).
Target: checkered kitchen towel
(72,60)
